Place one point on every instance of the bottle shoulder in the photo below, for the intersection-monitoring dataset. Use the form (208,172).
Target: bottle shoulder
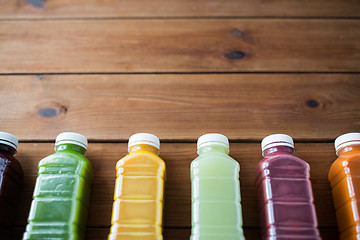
(282,160)
(15,164)
(215,158)
(11,166)
(282,166)
(65,157)
(5,159)
(347,163)
(141,157)
(69,159)
(214,165)
(141,164)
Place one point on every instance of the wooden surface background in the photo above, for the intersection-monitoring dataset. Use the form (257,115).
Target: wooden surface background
(180,69)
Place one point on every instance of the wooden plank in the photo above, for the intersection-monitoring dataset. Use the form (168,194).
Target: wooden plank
(177,191)
(177,8)
(205,45)
(184,234)
(181,107)
(180,234)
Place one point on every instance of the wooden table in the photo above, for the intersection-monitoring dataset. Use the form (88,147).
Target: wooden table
(180,69)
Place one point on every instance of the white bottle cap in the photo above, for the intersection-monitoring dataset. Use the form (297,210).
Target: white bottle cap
(71,138)
(9,140)
(275,140)
(212,139)
(144,138)
(346,140)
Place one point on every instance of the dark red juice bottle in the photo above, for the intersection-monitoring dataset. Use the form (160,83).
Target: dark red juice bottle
(11,176)
(286,200)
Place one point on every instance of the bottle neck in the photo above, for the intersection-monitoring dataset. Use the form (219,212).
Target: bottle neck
(355,147)
(7,149)
(213,148)
(278,149)
(144,147)
(70,147)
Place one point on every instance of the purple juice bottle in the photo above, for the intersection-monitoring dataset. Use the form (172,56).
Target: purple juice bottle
(11,177)
(286,200)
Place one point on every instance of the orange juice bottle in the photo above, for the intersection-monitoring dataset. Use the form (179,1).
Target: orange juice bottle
(344,177)
(139,190)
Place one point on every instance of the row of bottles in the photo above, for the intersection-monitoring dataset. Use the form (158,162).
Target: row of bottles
(62,190)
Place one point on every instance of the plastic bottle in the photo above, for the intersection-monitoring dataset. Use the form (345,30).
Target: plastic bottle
(215,186)
(62,192)
(286,200)
(11,177)
(139,190)
(344,177)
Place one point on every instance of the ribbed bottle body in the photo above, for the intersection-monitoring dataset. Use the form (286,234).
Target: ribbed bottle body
(11,177)
(138,198)
(286,200)
(344,177)
(216,207)
(61,198)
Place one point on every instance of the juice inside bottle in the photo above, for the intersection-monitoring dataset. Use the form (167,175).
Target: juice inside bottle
(344,177)
(62,192)
(286,201)
(216,209)
(11,177)
(139,190)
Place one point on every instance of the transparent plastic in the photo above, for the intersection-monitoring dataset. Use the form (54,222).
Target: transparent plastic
(139,195)
(286,201)
(11,177)
(215,186)
(61,196)
(344,177)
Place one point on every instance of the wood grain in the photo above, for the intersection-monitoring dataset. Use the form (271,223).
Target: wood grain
(182,107)
(177,191)
(180,234)
(203,45)
(177,8)
(179,69)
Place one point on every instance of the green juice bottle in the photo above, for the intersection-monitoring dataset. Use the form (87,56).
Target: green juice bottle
(215,186)
(62,192)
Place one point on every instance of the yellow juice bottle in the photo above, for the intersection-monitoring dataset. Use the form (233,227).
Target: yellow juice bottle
(139,191)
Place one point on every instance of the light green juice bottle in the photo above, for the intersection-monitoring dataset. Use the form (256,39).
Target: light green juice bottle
(62,192)
(215,186)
